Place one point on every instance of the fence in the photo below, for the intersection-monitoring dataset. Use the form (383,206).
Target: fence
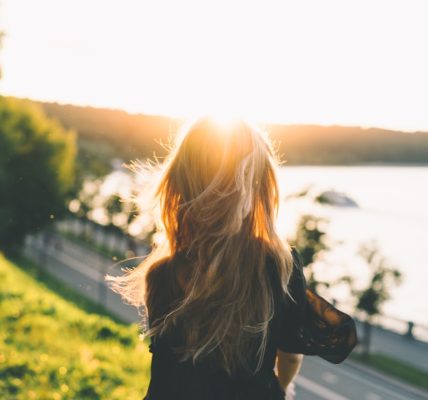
(81,269)
(106,239)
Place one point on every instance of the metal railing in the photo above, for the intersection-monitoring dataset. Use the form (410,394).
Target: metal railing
(81,269)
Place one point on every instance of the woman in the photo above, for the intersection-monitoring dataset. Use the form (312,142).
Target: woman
(225,296)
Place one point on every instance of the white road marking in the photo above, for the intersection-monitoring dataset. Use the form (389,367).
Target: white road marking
(319,390)
(355,377)
(373,396)
(329,377)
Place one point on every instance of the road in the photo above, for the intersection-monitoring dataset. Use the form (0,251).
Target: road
(84,270)
(320,380)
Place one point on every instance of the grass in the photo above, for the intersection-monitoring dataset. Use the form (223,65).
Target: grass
(56,345)
(395,368)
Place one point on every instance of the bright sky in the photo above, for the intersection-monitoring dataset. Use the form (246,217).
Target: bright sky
(350,62)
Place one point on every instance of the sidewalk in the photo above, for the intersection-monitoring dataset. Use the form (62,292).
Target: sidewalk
(400,347)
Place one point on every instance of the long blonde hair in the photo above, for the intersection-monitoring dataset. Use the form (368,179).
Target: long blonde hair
(218,198)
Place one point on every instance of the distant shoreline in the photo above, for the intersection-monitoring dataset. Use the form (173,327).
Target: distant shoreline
(377,164)
(103,134)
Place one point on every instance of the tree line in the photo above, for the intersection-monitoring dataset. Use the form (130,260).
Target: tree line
(139,136)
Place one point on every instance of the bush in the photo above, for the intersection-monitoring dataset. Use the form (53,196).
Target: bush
(36,170)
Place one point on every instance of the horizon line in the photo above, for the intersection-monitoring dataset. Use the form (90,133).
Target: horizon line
(184,118)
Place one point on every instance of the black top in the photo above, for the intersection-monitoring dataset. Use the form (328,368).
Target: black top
(310,326)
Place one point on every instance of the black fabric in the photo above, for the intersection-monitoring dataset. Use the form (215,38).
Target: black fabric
(306,324)
(310,325)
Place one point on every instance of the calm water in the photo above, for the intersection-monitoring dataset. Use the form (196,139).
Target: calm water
(393,210)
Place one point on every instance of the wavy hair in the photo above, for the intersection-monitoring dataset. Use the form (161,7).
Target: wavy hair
(218,198)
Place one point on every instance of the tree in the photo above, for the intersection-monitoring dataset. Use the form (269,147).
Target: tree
(310,241)
(370,299)
(36,170)
(121,214)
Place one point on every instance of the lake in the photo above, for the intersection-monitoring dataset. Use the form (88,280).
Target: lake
(393,210)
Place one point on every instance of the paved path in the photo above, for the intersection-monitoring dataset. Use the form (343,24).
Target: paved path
(412,352)
(84,270)
(320,380)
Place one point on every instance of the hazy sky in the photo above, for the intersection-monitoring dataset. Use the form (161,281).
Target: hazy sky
(362,62)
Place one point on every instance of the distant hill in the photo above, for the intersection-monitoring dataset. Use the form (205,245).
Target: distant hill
(129,136)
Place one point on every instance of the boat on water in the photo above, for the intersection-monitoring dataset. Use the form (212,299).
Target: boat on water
(335,198)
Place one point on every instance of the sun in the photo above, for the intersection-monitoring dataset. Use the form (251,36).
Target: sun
(224,118)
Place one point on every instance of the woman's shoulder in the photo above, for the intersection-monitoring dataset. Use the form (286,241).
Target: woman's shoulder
(168,275)
(293,251)
(272,265)
(294,295)
(158,268)
(157,288)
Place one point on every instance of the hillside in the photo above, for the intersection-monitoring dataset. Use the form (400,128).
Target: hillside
(105,133)
(50,348)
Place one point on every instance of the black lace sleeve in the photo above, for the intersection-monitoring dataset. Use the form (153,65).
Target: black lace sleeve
(310,324)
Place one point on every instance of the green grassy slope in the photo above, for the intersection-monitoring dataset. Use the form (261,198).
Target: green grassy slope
(51,348)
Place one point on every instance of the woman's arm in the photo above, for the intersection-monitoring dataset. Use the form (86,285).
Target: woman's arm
(287,366)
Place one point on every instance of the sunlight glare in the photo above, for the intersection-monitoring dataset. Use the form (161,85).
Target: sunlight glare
(268,61)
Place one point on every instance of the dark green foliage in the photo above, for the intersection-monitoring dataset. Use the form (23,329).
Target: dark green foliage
(36,170)
(18,370)
(310,237)
(322,199)
(116,206)
(107,330)
(310,241)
